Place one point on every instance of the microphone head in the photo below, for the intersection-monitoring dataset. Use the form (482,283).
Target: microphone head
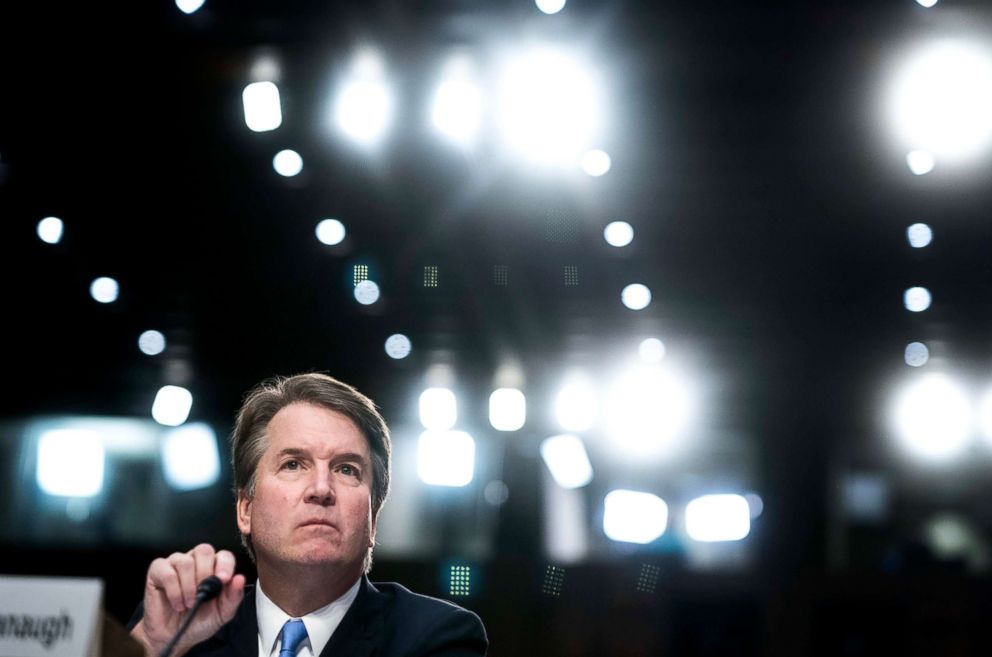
(209,588)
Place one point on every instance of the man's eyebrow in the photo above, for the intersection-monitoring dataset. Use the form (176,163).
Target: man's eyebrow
(292,451)
(351,456)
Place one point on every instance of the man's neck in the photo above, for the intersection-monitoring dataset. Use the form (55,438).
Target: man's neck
(299,590)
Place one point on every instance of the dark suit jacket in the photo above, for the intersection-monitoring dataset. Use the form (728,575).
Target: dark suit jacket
(385,620)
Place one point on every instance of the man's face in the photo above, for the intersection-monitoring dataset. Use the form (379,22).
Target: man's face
(313,492)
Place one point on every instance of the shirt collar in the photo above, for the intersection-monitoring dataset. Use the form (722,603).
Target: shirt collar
(320,623)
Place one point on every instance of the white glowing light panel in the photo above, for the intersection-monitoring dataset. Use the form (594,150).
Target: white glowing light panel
(363,108)
(287,163)
(151,343)
(438,409)
(566,458)
(634,517)
(263,111)
(919,235)
(916,299)
(104,289)
(716,518)
(50,230)
(330,232)
(189,457)
(576,406)
(920,162)
(942,99)
(446,458)
(457,109)
(507,409)
(618,234)
(172,405)
(636,296)
(647,412)
(933,417)
(70,463)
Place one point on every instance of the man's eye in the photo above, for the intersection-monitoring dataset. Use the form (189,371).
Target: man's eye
(291,465)
(349,470)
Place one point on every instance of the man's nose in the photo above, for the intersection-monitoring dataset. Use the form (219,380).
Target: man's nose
(320,489)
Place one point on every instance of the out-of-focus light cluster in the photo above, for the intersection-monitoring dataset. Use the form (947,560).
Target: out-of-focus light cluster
(921,162)
(189,6)
(398,346)
(367,292)
(639,517)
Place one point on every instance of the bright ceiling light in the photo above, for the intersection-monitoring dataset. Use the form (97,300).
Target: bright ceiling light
(151,343)
(507,409)
(920,162)
(917,354)
(919,235)
(941,100)
(716,518)
(330,232)
(933,417)
(438,409)
(916,299)
(985,415)
(446,458)
(363,108)
(189,6)
(550,6)
(926,3)
(634,517)
(651,350)
(70,463)
(566,458)
(287,163)
(172,405)
(456,111)
(263,111)
(104,289)
(367,292)
(190,459)
(618,233)
(596,163)
(647,410)
(50,230)
(636,296)
(549,106)
(398,346)
(576,405)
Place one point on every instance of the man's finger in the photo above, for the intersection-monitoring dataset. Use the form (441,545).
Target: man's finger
(186,571)
(203,562)
(162,577)
(224,565)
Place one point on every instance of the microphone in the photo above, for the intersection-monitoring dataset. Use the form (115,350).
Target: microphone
(208,589)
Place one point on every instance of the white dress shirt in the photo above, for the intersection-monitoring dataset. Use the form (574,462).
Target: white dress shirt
(320,624)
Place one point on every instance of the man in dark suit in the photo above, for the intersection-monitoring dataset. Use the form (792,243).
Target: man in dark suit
(311,458)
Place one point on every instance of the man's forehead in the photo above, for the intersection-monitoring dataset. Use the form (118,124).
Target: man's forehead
(307,427)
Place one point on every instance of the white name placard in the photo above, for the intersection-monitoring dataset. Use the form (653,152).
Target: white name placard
(49,616)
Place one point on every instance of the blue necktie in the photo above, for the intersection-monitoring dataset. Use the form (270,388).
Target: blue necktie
(293,634)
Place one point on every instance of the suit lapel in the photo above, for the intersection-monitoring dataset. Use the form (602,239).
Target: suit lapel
(360,631)
(243,629)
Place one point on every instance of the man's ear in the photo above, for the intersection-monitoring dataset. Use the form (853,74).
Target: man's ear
(244,512)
